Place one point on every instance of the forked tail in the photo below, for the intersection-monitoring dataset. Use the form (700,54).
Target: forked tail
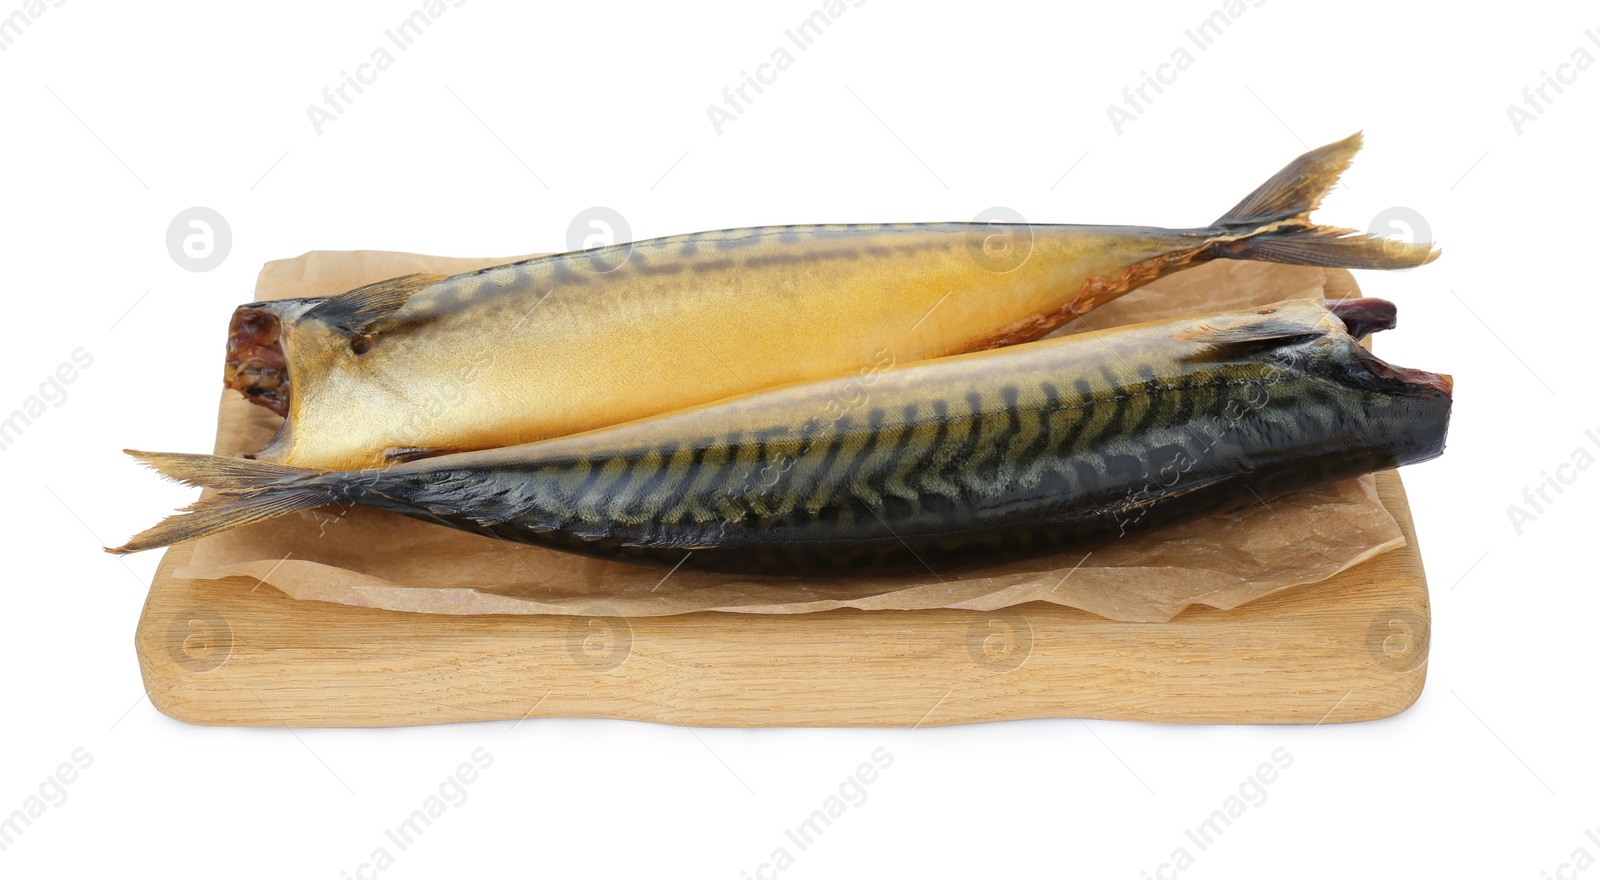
(251,491)
(1273,224)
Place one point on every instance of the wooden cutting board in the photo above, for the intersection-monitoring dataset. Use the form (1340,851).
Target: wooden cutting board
(1352,648)
(237,652)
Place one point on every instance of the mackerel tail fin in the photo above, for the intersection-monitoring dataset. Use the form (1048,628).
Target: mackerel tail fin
(251,491)
(1273,223)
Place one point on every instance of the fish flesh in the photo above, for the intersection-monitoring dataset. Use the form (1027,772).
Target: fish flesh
(426,364)
(938,464)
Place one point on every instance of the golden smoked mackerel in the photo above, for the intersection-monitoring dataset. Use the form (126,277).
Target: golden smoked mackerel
(943,463)
(425,364)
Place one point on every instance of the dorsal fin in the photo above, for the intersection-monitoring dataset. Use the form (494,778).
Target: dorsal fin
(359,311)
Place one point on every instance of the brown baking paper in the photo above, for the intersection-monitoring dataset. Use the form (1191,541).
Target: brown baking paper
(377,559)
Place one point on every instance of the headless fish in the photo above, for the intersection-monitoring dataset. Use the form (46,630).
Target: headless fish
(542,348)
(944,463)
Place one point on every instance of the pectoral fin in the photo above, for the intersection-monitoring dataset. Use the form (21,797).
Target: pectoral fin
(362,311)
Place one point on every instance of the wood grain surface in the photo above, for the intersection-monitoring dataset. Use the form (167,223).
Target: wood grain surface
(1351,648)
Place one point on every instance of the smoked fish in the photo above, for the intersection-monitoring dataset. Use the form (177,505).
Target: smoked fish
(426,364)
(950,462)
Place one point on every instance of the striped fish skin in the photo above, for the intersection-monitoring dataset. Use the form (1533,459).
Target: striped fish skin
(558,345)
(965,460)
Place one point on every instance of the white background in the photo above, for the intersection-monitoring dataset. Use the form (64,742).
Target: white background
(500,124)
